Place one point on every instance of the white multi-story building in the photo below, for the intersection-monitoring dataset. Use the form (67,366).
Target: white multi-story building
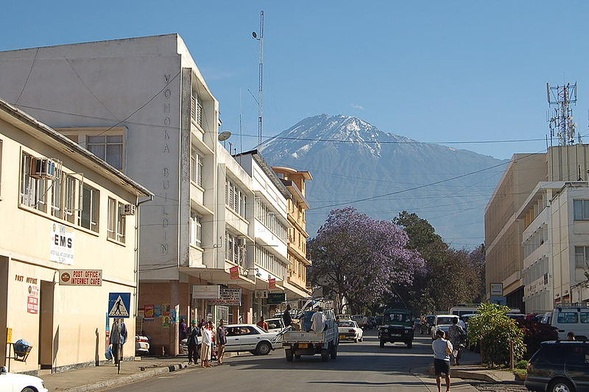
(143,106)
(68,243)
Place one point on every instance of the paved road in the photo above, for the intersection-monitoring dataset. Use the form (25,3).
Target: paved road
(358,366)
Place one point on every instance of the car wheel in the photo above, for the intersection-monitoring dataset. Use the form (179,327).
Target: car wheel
(324,355)
(289,355)
(381,343)
(298,356)
(263,348)
(409,344)
(355,340)
(561,386)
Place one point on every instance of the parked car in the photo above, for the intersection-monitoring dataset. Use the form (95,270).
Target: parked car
(250,337)
(141,345)
(443,322)
(10,382)
(349,330)
(559,366)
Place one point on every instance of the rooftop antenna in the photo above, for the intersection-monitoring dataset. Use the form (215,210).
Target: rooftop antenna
(561,124)
(260,37)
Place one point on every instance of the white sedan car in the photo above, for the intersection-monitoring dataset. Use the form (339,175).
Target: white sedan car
(349,330)
(13,382)
(250,337)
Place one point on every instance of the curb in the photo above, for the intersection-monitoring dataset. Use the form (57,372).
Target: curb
(125,380)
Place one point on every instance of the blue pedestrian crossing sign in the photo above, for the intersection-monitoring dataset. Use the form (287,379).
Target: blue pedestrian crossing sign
(119,305)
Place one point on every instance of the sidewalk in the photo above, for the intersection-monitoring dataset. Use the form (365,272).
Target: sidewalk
(107,376)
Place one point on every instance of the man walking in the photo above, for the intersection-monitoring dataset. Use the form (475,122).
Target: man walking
(457,337)
(442,349)
(192,343)
(221,340)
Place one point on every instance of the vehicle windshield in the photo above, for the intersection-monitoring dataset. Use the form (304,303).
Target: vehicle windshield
(399,317)
(445,320)
(346,323)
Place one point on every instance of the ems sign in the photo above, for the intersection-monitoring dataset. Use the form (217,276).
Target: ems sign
(61,249)
(119,305)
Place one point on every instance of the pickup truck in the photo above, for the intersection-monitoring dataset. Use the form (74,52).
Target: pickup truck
(304,342)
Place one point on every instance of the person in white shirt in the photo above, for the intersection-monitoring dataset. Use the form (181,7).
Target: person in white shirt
(318,321)
(442,350)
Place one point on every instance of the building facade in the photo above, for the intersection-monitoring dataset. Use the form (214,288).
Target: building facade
(535,231)
(142,105)
(68,242)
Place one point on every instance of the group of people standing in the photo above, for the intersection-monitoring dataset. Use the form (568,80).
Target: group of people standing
(210,338)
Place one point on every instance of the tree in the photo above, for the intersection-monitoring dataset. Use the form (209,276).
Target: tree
(452,277)
(357,258)
(496,333)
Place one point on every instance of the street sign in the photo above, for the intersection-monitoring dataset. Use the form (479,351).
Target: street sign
(80,277)
(119,305)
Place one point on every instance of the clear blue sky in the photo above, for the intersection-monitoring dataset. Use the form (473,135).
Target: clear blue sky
(469,73)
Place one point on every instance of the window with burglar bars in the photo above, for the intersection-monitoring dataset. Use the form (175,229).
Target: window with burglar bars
(235,198)
(196,166)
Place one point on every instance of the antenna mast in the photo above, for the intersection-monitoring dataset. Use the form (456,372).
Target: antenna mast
(260,37)
(561,124)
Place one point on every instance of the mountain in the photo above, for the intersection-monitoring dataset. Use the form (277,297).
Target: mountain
(353,163)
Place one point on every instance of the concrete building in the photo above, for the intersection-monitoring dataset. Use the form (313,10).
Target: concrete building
(297,206)
(531,233)
(68,241)
(143,106)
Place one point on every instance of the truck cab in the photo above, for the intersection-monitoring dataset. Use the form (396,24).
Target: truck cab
(397,327)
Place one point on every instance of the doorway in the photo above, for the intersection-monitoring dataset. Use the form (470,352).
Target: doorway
(47,345)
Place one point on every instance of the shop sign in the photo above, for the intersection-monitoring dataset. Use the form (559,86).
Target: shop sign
(276,298)
(231,297)
(61,248)
(33,300)
(80,277)
(206,292)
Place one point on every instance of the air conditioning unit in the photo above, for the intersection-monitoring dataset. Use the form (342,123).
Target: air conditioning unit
(43,168)
(127,209)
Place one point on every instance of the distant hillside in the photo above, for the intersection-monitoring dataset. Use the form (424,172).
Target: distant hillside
(355,164)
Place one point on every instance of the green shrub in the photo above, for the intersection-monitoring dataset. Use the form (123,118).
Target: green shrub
(521,364)
(496,333)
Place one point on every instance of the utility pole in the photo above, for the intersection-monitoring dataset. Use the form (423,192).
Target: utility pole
(260,37)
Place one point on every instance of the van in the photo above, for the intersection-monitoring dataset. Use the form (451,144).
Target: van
(571,318)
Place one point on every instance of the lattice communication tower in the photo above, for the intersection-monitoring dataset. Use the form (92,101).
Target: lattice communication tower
(561,123)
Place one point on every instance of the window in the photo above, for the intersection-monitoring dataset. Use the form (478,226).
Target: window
(196,166)
(32,190)
(71,199)
(196,109)
(106,143)
(195,229)
(564,317)
(108,148)
(581,209)
(235,249)
(581,256)
(116,221)
(90,207)
(235,198)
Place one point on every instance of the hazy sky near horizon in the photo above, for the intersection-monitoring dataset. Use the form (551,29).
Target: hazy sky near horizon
(470,74)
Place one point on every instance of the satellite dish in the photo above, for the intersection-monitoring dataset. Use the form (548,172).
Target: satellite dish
(254,35)
(224,136)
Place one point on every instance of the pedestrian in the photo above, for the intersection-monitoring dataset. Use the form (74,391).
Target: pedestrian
(115,340)
(124,335)
(262,324)
(571,336)
(192,342)
(457,337)
(442,350)
(286,317)
(206,344)
(182,328)
(318,320)
(221,341)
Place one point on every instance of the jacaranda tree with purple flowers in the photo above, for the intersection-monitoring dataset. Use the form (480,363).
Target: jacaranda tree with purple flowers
(359,258)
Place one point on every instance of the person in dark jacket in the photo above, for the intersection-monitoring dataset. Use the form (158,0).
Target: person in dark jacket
(286,317)
(192,337)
